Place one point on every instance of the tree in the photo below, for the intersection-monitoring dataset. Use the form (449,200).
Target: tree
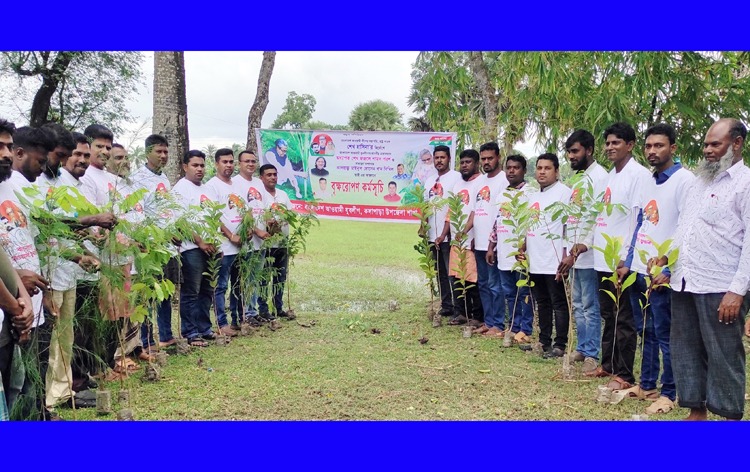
(297,110)
(418,123)
(317,124)
(551,94)
(261,98)
(170,107)
(75,88)
(375,115)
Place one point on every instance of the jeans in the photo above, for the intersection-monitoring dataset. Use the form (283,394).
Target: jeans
(279,264)
(551,303)
(490,292)
(653,325)
(619,339)
(196,295)
(163,321)
(441,255)
(709,359)
(586,312)
(229,272)
(520,315)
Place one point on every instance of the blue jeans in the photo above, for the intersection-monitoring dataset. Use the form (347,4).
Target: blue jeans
(520,316)
(586,312)
(653,326)
(279,264)
(229,272)
(490,292)
(196,295)
(163,320)
(709,359)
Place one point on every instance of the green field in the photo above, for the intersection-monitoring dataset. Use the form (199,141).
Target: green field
(360,360)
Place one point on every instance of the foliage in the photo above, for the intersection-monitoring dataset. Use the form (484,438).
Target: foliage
(297,110)
(459,220)
(424,210)
(322,125)
(94,87)
(553,93)
(376,115)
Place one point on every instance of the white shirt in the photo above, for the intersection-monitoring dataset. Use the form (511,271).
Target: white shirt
(17,237)
(436,189)
(596,177)
(485,210)
(623,188)
(544,252)
(228,194)
(711,235)
(662,205)
(280,198)
(97,184)
(467,191)
(505,238)
(188,194)
(257,201)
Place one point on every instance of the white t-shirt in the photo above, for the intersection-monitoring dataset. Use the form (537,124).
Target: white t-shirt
(623,188)
(545,253)
(257,201)
(485,211)
(17,237)
(280,198)
(505,247)
(596,176)
(228,194)
(661,205)
(97,184)
(188,194)
(467,191)
(437,187)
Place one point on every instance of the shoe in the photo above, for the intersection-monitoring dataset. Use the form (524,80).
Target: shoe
(457,320)
(266,317)
(210,336)
(553,353)
(475,323)
(576,356)
(254,321)
(481,330)
(235,327)
(589,365)
(445,313)
(227,331)
(521,338)
(85,395)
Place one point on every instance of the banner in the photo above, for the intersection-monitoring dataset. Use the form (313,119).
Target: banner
(365,175)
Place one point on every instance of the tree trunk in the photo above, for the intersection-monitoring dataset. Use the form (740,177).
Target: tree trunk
(489,97)
(170,108)
(50,80)
(261,99)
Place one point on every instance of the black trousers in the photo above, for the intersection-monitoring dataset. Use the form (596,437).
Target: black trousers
(553,309)
(467,302)
(441,255)
(619,338)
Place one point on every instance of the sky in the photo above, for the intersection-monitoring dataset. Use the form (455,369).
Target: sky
(221,88)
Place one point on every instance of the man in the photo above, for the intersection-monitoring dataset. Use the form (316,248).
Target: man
(324,193)
(501,248)
(277,157)
(254,193)
(489,186)
(711,277)
(119,164)
(662,203)
(466,301)
(196,293)
(392,196)
(325,146)
(278,253)
(544,251)
(588,185)
(98,182)
(438,230)
(624,184)
(400,175)
(156,207)
(226,193)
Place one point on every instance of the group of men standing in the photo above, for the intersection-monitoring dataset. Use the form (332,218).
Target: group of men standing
(52,296)
(661,255)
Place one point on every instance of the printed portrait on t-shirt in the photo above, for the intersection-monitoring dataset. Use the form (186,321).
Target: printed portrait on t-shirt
(651,213)
(607,196)
(234,201)
(253,194)
(436,190)
(464,194)
(161,188)
(12,216)
(484,194)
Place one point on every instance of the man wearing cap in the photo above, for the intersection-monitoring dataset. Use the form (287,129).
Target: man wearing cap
(278,158)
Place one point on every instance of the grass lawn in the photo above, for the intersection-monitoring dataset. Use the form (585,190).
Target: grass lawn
(359,360)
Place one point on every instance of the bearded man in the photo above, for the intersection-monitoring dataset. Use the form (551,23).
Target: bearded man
(711,278)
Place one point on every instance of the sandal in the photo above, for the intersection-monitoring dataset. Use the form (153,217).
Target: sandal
(171,342)
(640,394)
(126,365)
(145,356)
(209,336)
(661,405)
(617,383)
(197,342)
(457,320)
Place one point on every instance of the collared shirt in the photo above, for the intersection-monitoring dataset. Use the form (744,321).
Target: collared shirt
(714,252)
(662,177)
